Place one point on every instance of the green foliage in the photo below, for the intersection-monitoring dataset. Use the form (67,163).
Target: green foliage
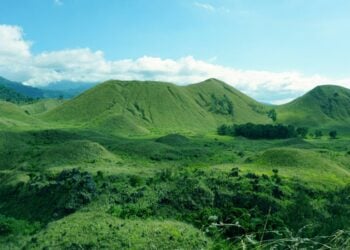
(318,133)
(302,131)
(333,134)
(222,106)
(66,193)
(272,114)
(173,140)
(11,226)
(258,131)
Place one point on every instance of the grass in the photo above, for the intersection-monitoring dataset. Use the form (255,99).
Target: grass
(103,231)
(41,106)
(113,168)
(133,107)
(323,107)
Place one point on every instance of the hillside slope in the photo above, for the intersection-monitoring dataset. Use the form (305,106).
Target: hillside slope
(324,106)
(135,107)
(13,117)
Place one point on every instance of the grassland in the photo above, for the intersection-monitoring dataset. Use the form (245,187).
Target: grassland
(130,165)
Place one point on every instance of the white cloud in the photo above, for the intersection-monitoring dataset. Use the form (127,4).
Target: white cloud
(84,65)
(12,42)
(205,6)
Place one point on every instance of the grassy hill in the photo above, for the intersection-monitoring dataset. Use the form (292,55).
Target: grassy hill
(324,106)
(134,107)
(103,231)
(41,106)
(12,117)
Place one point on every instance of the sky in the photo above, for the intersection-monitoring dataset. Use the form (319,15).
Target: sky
(273,50)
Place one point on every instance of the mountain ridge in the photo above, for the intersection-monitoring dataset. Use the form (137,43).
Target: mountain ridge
(158,106)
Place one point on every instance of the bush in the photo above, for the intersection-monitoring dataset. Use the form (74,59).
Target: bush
(75,189)
(333,134)
(189,194)
(318,133)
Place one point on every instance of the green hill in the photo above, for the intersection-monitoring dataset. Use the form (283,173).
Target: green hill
(149,107)
(41,106)
(12,117)
(91,230)
(324,106)
(134,107)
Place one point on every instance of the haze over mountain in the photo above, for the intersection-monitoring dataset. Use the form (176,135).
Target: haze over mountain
(65,89)
(22,89)
(10,95)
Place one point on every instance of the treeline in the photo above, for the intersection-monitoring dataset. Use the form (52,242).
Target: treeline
(262,131)
(9,95)
(269,131)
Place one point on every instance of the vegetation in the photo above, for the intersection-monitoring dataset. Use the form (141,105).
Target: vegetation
(113,168)
(260,131)
(272,114)
(333,134)
(9,95)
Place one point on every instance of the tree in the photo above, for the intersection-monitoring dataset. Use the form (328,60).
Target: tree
(333,134)
(272,114)
(258,131)
(222,129)
(225,130)
(318,133)
(302,131)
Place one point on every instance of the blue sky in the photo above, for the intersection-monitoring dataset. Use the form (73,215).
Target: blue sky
(270,40)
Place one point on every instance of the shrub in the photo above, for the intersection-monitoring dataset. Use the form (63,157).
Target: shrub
(333,134)
(75,188)
(318,133)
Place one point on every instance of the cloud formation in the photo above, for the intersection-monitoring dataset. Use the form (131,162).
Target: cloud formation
(17,62)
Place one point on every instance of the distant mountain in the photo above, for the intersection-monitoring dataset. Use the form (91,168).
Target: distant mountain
(22,89)
(134,107)
(10,95)
(69,86)
(142,107)
(323,106)
(66,89)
